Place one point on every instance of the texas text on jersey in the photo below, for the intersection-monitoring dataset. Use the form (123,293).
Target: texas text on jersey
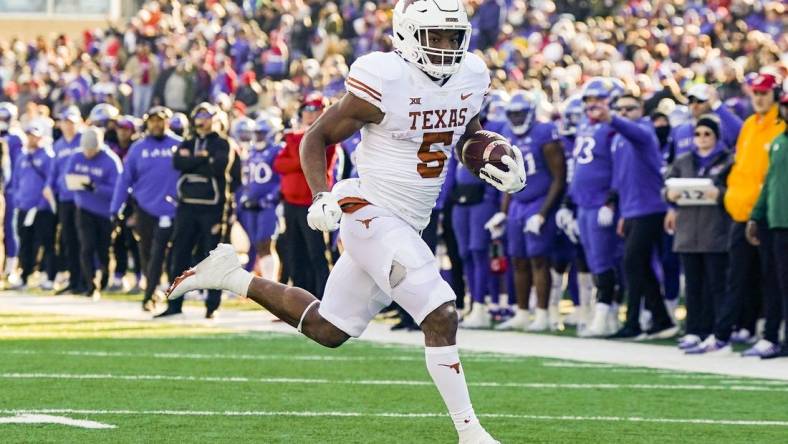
(402,160)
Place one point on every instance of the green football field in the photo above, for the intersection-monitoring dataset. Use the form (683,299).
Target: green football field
(157,383)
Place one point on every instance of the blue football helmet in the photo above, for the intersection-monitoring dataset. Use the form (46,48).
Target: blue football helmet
(571,115)
(603,87)
(521,111)
(243,130)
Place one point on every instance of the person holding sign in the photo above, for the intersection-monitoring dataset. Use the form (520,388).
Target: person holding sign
(700,226)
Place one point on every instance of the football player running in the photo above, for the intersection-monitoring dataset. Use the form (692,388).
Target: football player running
(411,105)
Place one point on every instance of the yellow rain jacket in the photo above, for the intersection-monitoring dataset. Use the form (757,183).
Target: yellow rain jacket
(751,162)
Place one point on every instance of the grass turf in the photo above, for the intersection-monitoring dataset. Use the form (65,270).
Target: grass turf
(270,372)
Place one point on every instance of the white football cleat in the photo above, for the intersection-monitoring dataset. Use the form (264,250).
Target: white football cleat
(221,270)
(479,317)
(541,321)
(554,318)
(599,326)
(518,322)
(477,435)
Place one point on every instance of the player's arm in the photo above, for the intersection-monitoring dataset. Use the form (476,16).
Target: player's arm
(339,122)
(556,164)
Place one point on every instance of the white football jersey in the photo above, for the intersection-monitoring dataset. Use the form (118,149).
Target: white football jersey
(402,161)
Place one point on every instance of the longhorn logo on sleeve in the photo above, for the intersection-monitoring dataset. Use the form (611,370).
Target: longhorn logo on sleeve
(455,366)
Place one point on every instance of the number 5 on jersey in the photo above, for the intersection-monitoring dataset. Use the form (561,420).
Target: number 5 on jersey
(436,158)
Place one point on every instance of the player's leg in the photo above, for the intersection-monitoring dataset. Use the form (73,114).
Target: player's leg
(415,283)
(521,275)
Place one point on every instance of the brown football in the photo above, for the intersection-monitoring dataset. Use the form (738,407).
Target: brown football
(485,147)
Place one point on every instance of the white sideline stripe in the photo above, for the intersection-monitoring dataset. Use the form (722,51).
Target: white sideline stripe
(701,421)
(30,418)
(531,385)
(467,357)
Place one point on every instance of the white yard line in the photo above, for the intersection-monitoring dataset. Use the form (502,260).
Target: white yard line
(698,421)
(669,374)
(29,418)
(620,353)
(384,382)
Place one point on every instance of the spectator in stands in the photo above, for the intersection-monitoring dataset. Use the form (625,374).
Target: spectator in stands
(771,210)
(637,160)
(307,256)
(701,230)
(142,69)
(747,284)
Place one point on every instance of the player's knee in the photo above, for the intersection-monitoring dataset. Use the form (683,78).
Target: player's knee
(442,322)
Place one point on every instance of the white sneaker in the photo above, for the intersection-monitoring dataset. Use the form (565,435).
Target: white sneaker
(479,317)
(541,321)
(477,435)
(645,319)
(613,323)
(221,270)
(96,295)
(599,324)
(573,318)
(554,318)
(518,322)
(46,285)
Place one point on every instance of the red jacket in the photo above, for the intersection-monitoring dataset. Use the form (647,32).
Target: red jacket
(295,189)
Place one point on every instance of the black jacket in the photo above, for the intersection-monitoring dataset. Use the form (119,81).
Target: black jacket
(702,228)
(204,170)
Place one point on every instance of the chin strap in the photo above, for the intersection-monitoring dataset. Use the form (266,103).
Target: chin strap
(303,315)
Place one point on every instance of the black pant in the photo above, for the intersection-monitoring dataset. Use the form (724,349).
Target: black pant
(772,298)
(643,236)
(153,242)
(197,231)
(704,277)
(41,234)
(124,244)
(741,304)
(780,255)
(69,242)
(95,236)
(308,265)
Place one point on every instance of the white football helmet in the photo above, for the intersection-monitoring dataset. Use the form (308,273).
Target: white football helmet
(413,20)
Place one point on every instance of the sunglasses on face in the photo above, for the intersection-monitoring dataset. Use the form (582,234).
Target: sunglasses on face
(625,109)
(703,133)
(696,100)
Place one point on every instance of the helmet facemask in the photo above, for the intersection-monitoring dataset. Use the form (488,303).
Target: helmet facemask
(414,23)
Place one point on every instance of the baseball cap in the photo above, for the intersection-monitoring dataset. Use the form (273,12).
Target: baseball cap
(161,112)
(91,139)
(764,82)
(35,129)
(127,122)
(71,113)
(699,91)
